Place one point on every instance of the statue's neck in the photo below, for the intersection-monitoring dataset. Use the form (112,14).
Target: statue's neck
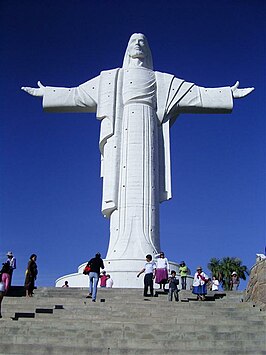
(136,63)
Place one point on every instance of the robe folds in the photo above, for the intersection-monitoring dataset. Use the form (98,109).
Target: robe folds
(147,117)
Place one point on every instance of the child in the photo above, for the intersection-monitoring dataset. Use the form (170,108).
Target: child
(149,269)
(215,284)
(103,279)
(173,289)
(109,281)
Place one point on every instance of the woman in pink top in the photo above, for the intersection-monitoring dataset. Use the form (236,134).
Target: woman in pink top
(162,269)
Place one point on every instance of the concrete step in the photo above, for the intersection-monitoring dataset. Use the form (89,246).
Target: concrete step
(121,331)
(119,338)
(39,349)
(126,323)
(145,342)
(135,316)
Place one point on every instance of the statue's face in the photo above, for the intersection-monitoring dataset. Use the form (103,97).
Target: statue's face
(137,46)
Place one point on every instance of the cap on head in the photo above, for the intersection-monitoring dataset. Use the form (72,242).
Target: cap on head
(199,268)
(234,273)
(9,253)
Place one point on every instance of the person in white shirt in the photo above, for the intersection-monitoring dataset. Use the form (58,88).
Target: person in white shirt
(200,284)
(11,260)
(149,269)
(109,281)
(162,269)
(215,284)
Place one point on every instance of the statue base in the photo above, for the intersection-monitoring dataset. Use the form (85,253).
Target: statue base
(122,271)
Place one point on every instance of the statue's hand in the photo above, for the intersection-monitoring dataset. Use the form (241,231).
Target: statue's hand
(35,91)
(238,93)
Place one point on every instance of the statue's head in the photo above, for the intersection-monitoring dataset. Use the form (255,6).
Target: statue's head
(138,48)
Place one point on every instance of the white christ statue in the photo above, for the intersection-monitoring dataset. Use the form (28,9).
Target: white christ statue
(136,106)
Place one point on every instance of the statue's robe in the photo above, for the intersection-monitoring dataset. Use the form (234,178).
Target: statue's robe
(136,107)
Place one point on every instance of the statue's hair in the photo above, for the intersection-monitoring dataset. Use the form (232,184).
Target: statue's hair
(148,63)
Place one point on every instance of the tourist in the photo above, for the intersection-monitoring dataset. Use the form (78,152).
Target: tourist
(162,268)
(183,269)
(2,293)
(31,275)
(209,284)
(215,284)
(11,260)
(95,264)
(103,278)
(149,270)
(66,284)
(234,282)
(173,289)
(199,284)
(109,281)
(5,272)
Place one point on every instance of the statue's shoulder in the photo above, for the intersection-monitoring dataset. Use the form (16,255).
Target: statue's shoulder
(167,78)
(161,74)
(110,72)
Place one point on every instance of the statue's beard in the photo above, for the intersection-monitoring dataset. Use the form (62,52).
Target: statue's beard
(138,54)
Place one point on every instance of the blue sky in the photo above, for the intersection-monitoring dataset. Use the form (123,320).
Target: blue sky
(50,189)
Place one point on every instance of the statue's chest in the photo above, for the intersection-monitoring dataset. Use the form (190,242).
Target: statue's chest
(139,85)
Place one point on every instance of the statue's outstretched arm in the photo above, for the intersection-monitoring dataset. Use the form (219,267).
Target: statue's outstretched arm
(239,93)
(35,91)
(197,99)
(82,98)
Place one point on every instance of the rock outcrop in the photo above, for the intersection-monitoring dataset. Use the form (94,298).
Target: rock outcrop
(256,290)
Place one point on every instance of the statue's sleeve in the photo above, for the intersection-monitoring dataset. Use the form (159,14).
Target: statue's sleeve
(82,98)
(201,100)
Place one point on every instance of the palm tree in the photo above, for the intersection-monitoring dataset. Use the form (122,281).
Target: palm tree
(222,269)
(214,266)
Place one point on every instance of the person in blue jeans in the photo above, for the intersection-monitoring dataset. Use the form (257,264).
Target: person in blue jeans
(95,264)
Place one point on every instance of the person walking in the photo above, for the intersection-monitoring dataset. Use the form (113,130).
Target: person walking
(2,293)
(199,284)
(5,276)
(149,270)
(183,269)
(11,260)
(95,265)
(162,268)
(31,275)
(234,282)
(173,289)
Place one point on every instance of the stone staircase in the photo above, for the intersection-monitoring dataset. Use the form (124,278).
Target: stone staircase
(63,321)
